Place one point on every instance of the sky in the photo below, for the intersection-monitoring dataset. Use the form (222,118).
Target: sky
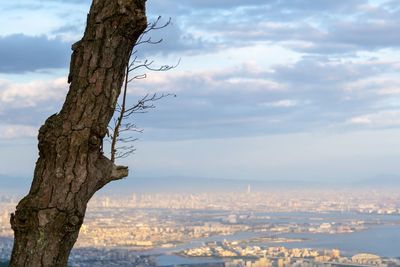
(266,89)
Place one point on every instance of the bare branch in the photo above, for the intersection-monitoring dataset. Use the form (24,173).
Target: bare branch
(121,132)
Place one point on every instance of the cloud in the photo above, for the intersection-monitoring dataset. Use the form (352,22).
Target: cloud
(368,35)
(380,119)
(284,103)
(33,93)
(245,100)
(311,6)
(321,71)
(224,24)
(390,90)
(30,103)
(70,32)
(312,93)
(229,102)
(174,8)
(279,6)
(20,53)
(12,131)
(327,81)
(209,105)
(222,4)
(174,41)
(326,27)
(360,120)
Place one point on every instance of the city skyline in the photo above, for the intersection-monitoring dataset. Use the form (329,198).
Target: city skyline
(275,90)
(337,226)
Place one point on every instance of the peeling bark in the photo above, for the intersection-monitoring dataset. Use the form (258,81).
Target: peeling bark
(71,166)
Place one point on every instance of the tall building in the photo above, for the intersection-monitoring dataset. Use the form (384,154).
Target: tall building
(106,202)
(133,200)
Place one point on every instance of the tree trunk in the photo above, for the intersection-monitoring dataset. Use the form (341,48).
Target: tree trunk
(71,166)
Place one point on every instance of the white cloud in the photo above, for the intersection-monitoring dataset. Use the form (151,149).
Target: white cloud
(386,118)
(241,78)
(11,131)
(284,103)
(360,120)
(33,93)
(394,90)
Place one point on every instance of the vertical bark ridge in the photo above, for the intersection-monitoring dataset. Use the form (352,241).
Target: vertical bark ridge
(71,166)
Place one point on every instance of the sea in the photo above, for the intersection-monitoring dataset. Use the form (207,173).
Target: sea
(382,237)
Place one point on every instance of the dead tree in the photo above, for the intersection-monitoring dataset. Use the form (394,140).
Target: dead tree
(71,166)
(121,137)
(122,130)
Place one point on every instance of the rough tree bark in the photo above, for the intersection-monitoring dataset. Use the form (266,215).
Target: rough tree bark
(71,166)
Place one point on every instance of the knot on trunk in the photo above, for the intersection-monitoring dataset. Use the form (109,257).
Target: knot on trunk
(48,134)
(95,142)
(21,220)
(73,224)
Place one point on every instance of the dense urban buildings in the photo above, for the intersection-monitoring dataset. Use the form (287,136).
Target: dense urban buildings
(234,229)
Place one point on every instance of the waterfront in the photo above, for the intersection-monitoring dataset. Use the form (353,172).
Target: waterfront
(381,240)
(158,227)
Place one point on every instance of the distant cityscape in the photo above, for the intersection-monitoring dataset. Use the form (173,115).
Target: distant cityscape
(281,256)
(282,228)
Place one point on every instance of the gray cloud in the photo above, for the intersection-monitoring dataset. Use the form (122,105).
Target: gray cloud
(30,103)
(69,28)
(310,94)
(367,35)
(318,71)
(174,40)
(326,27)
(312,6)
(315,92)
(21,53)
(222,4)
(282,6)
(174,8)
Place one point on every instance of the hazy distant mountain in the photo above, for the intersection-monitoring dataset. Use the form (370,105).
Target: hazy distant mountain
(383,180)
(171,184)
(199,184)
